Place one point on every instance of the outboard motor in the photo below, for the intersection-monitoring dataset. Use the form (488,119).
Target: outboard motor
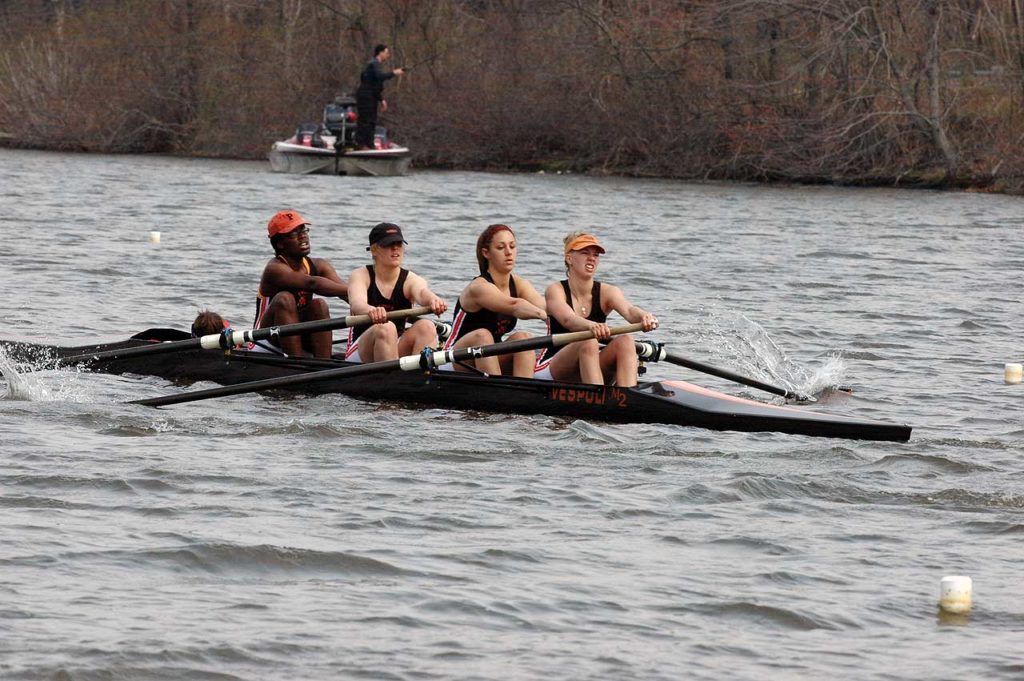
(340,119)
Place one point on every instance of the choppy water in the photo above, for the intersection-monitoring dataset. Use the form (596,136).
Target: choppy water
(326,538)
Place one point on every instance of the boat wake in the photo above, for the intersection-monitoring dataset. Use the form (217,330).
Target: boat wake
(744,344)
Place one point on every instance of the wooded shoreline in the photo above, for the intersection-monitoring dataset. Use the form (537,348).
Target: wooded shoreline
(910,93)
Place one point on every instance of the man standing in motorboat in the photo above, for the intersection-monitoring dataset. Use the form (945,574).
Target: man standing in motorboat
(289,280)
(370,93)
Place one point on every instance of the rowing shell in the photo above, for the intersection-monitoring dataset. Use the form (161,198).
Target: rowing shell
(670,402)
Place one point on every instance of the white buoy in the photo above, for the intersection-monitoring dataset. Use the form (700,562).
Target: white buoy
(154,237)
(1012,373)
(955,594)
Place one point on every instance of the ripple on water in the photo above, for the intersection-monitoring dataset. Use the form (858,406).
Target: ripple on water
(325,537)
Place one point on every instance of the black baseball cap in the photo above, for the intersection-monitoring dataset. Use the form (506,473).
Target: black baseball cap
(385,234)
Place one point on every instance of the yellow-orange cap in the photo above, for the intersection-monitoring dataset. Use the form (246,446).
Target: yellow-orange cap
(284,221)
(583,241)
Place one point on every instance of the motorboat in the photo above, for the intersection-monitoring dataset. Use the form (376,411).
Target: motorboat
(329,148)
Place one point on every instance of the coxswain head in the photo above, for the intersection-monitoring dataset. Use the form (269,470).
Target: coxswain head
(208,323)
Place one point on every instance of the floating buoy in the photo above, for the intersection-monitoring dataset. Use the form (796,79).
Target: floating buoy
(1012,373)
(154,237)
(955,594)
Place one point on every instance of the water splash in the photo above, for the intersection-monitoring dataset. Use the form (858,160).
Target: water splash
(745,347)
(26,383)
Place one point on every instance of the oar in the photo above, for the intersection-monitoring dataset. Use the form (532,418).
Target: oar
(655,352)
(444,329)
(230,338)
(425,361)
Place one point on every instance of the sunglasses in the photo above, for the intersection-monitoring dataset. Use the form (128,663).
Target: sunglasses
(295,233)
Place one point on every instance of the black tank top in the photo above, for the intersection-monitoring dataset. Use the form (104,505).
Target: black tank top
(596,315)
(497,323)
(375,298)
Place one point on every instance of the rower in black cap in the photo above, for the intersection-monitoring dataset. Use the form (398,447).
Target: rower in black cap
(383,287)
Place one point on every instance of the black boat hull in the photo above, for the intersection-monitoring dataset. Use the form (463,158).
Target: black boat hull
(669,402)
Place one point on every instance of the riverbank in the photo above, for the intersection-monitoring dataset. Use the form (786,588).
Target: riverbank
(911,179)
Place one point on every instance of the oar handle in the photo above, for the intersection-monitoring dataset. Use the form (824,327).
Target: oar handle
(560,339)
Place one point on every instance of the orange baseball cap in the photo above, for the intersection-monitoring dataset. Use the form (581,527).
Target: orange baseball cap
(583,241)
(284,221)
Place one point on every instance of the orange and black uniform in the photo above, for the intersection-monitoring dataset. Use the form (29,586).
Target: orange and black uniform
(302,298)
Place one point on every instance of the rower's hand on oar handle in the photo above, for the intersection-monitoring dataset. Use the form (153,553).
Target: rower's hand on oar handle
(649,321)
(438,306)
(378,315)
(601,331)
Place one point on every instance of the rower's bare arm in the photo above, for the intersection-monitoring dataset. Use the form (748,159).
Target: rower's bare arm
(630,312)
(483,294)
(419,292)
(279,277)
(358,285)
(527,291)
(338,286)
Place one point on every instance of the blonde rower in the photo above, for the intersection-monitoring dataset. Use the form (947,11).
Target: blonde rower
(383,287)
(490,305)
(581,303)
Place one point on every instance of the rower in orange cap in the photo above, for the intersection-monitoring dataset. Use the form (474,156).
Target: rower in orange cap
(581,303)
(289,280)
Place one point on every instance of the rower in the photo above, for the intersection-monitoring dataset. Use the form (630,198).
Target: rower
(581,303)
(289,280)
(490,305)
(383,287)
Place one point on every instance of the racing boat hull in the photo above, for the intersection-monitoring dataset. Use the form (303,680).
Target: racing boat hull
(670,402)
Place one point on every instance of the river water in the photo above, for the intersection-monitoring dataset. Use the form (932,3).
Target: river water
(327,538)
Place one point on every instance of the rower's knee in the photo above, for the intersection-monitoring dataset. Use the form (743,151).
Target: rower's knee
(283,301)
(589,348)
(387,332)
(477,337)
(623,346)
(318,309)
(425,331)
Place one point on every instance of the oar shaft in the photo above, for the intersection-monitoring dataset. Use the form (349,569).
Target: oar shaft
(228,340)
(239,337)
(728,375)
(424,361)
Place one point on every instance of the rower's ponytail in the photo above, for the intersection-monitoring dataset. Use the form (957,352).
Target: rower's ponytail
(484,241)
